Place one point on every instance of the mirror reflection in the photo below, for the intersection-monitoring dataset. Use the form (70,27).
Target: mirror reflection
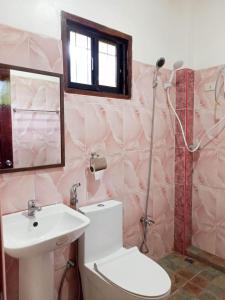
(30,119)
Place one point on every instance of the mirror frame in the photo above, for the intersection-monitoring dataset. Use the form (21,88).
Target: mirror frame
(62,133)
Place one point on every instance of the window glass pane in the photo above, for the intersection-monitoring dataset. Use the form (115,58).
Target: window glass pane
(107,64)
(111,49)
(80,58)
(103,47)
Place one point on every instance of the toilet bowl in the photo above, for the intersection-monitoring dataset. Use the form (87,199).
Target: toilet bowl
(108,270)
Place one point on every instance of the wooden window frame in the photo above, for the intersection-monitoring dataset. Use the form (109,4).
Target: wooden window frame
(102,33)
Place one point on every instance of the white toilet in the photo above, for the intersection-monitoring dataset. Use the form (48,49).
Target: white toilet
(111,272)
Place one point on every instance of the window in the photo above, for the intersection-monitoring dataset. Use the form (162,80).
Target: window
(97,59)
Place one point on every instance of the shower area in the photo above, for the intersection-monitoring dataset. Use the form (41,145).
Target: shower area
(199,217)
(196,101)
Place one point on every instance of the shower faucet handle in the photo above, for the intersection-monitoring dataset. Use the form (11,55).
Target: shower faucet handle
(147,220)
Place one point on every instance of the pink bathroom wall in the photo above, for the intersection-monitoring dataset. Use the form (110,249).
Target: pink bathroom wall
(184,160)
(119,129)
(209,168)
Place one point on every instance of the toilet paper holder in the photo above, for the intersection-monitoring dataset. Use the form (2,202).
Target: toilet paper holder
(97,162)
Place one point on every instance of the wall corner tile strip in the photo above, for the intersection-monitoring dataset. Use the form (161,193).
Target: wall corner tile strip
(183,160)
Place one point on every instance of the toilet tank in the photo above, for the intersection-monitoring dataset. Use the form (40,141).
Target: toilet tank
(104,235)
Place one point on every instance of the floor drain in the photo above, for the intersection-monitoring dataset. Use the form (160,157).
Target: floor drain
(189,260)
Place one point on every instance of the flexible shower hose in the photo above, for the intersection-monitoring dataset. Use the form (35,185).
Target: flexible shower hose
(197,146)
(70,264)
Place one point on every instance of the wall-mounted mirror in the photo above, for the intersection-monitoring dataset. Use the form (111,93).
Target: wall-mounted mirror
(31,119)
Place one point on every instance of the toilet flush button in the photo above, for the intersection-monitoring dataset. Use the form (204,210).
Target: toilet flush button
(100,205)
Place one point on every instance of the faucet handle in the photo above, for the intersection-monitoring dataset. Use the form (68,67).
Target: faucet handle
(31,203)
(76,185)
(38,208)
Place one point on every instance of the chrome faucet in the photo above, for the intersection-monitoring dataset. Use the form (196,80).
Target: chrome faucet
(73,195)
(32,208)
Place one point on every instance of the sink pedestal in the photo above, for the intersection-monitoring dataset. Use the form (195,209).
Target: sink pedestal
(36,277)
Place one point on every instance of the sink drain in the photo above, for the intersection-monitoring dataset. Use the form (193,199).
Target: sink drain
(35,224)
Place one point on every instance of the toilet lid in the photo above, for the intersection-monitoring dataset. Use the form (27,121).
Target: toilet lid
(136,274)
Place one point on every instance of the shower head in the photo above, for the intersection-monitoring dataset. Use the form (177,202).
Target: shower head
(160,62)
(178,64)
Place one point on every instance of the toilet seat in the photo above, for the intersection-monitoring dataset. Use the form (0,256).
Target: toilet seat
(125,268)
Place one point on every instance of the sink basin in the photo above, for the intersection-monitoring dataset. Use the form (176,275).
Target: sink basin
(52,227)
(33,240)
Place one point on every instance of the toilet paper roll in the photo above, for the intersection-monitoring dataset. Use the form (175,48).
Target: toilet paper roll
(99,174)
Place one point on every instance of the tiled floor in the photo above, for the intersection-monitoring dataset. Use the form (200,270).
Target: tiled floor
(192,279)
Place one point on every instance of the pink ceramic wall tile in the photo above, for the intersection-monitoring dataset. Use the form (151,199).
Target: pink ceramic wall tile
(133,129)
(220,241)
(204,100)
(204,120)
(161,236)
(114,141)
(161,209)
(218,138)
(74,128)
(164,130)
(25,49)
(220,224)
(143,84)
(145,116)
(136,171)
(206,168)
(16,190)
(220,170)
(14,46)
(163,165)
(133,210)
(96,127)
(204,218)
(45,53)
(46,191)
(72,174)
(163,203)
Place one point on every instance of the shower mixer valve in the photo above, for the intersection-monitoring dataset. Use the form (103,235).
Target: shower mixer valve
(146,220)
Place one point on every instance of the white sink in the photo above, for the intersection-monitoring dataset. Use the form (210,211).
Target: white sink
(52,227)
(33,239)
